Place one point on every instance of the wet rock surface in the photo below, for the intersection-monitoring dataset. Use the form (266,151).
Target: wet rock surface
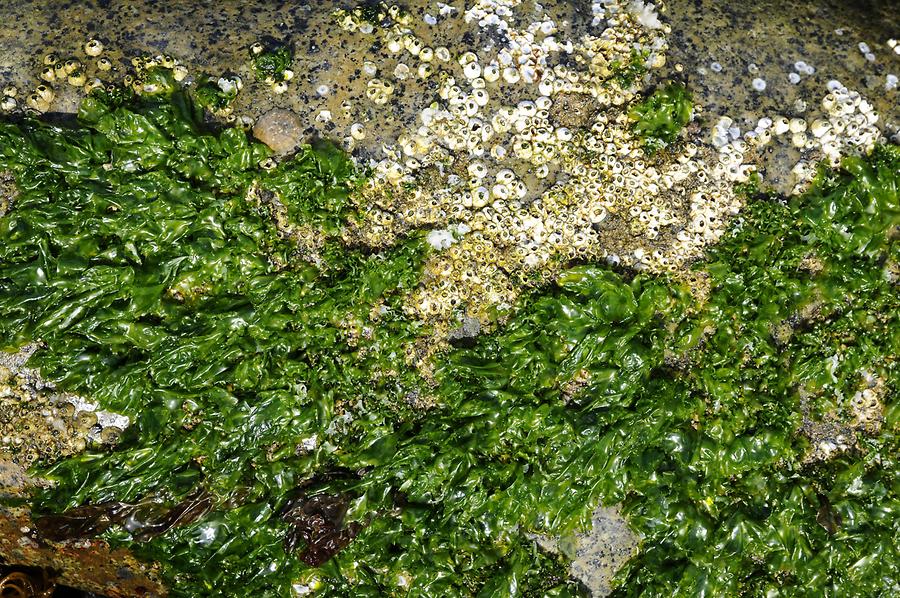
(722,47)
(599,553)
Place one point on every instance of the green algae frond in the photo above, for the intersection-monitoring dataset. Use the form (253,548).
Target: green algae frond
(270,64)
(274,439)
(659,118)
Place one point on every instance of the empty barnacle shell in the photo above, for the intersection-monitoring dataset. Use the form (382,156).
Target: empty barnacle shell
(93,47)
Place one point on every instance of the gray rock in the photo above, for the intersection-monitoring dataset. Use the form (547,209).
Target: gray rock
(67,99)
(280,129)
(465,334)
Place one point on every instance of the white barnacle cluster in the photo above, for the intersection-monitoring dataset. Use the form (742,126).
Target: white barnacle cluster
(529,146)
(801,68)
(491,13)
(847,126)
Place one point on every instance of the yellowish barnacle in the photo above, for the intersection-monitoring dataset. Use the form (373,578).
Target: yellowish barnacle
(93,84)
(8,103)
(412,44)
(36,102)
(104,64)
(394,45)
(48,74)
(357,131)
(93,47)
(71,65)
(425,70)
(11,91)
(179,72)
(45,92)
(85,420)
(77,78)
(797,125)
(256,48)
(279,87)
(51,59)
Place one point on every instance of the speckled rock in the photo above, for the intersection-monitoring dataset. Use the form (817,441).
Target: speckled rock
(466,333)
(602,551)
(598,553)
(68,99)
(280,129)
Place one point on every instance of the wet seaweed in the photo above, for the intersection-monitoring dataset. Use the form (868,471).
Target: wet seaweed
(162,291)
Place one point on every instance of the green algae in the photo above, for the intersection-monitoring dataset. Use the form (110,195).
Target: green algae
(660,117)
(630,72)
(276,389)
(271,63)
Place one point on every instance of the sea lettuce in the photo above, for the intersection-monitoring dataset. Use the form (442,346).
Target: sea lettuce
(279,436)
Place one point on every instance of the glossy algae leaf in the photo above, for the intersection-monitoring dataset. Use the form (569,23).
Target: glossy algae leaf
(732,507)
(270,64)
(659,118)
(162,292)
